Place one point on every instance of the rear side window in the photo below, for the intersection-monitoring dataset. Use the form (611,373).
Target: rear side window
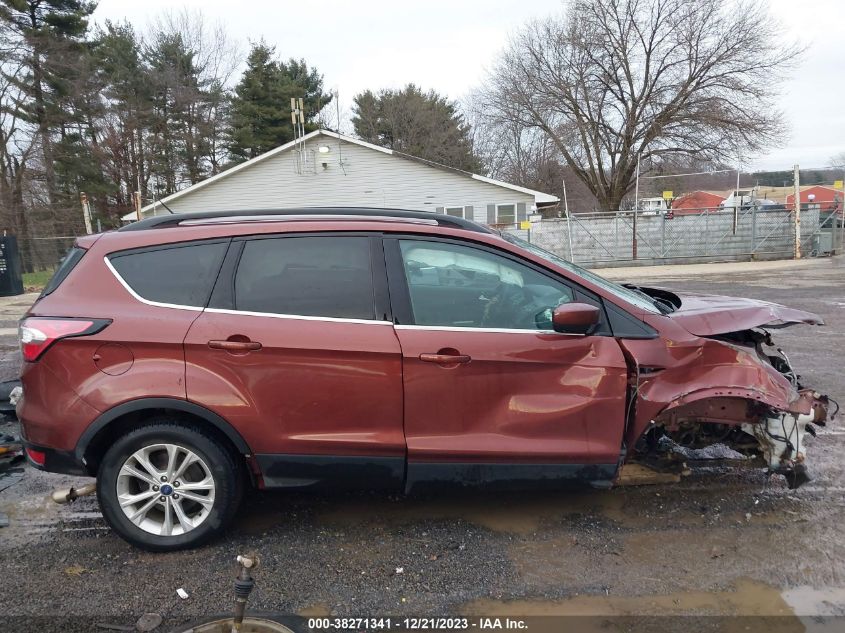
(67,264)
(180,275)
(307,276)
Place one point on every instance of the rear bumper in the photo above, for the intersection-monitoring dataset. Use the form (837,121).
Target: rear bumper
(51,414)
(55,461)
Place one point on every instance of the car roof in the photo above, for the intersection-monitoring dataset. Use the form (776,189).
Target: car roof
(333,214)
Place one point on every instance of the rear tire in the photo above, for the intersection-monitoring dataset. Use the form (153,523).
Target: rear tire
(168,486)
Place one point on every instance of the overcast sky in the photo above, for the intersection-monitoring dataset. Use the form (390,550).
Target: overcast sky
(448,45)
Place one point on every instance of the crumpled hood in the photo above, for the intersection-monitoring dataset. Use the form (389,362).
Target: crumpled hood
(708,315)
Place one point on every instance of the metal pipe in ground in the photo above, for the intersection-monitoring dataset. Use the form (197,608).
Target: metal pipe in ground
(244,584)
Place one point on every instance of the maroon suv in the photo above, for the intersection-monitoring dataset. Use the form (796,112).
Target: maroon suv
(184,357)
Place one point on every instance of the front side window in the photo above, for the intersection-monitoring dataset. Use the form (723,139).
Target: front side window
(459,286)
(306,276)
(179,275)
(638,299)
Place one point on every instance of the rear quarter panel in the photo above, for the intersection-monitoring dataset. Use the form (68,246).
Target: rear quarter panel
(152,361)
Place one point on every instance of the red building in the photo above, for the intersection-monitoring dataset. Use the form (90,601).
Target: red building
(828,198)
(696,202)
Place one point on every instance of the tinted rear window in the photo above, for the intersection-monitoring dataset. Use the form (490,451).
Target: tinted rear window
(180,275)
(307,276)
(67,264)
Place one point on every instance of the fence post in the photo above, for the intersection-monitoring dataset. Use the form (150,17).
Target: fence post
(663,234)
(796,208)
(706,229)
(634,237)
(753,228)
(616,236)
(841,213)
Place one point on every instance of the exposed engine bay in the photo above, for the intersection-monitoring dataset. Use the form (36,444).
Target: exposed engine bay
(754,432)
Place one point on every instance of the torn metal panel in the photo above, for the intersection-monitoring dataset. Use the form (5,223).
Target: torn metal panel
(730,388)
(682,372)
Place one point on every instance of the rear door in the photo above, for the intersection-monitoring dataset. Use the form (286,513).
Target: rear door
(297,351)
(491,391)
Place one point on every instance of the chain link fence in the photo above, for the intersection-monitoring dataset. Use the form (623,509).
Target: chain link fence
(696,235)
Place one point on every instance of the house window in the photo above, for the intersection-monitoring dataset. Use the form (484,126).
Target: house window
(505,214)
(456,212)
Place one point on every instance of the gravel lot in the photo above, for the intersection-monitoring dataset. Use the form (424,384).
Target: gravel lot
(720,542)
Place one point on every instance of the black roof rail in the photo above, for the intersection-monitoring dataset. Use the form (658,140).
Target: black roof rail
(164,221)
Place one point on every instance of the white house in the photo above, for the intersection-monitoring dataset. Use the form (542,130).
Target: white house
(326,169)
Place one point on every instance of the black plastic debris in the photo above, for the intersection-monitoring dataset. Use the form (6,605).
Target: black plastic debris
(11,458)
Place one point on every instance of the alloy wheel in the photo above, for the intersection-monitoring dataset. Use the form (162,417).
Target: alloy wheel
(165,489)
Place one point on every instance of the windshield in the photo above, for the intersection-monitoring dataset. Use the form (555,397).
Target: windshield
(639,299)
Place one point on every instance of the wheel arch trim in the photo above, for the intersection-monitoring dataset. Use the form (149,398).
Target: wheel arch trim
(140,404)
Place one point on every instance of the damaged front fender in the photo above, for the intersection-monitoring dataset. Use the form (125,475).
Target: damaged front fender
(700,390)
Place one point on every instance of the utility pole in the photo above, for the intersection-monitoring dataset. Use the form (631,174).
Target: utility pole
(568,222)
(136,200)
(796,210)
(841,214)
(86,212)
(636,204)
(736,204)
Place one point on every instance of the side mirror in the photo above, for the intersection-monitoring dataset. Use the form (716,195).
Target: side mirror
(575,318)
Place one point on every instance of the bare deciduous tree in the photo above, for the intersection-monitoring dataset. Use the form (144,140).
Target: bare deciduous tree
(613,80)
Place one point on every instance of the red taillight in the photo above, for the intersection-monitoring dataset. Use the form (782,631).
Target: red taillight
(38,457)
(37,334)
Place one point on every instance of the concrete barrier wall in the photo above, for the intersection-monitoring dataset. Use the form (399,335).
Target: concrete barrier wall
(606,239)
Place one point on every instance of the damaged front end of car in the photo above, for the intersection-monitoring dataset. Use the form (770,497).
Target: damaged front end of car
(731,396)
(780,433)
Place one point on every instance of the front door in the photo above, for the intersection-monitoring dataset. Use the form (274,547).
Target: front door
(296,350)
(491,391)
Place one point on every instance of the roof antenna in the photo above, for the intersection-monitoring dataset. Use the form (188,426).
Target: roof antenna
(339,135)
(161,202)
(297,119)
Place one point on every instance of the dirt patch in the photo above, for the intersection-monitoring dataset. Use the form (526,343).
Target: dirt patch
(315,611)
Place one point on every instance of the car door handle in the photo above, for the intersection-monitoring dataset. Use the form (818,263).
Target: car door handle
(235,346)
(446,359)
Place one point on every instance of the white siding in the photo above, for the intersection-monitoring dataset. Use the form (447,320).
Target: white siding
(366,178)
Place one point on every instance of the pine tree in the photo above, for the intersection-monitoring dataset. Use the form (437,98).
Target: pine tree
(423,124)
(260,108)
(49,31)
(127,92)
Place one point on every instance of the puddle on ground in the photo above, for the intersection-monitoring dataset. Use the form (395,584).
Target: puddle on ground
(807,601)
(750,598)
(761,607)
(31,516)
(511,513)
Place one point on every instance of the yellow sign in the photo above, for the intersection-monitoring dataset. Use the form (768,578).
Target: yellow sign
(837,184)
(667,195)
(525,225)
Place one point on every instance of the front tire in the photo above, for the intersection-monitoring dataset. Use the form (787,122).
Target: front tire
(168,486)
